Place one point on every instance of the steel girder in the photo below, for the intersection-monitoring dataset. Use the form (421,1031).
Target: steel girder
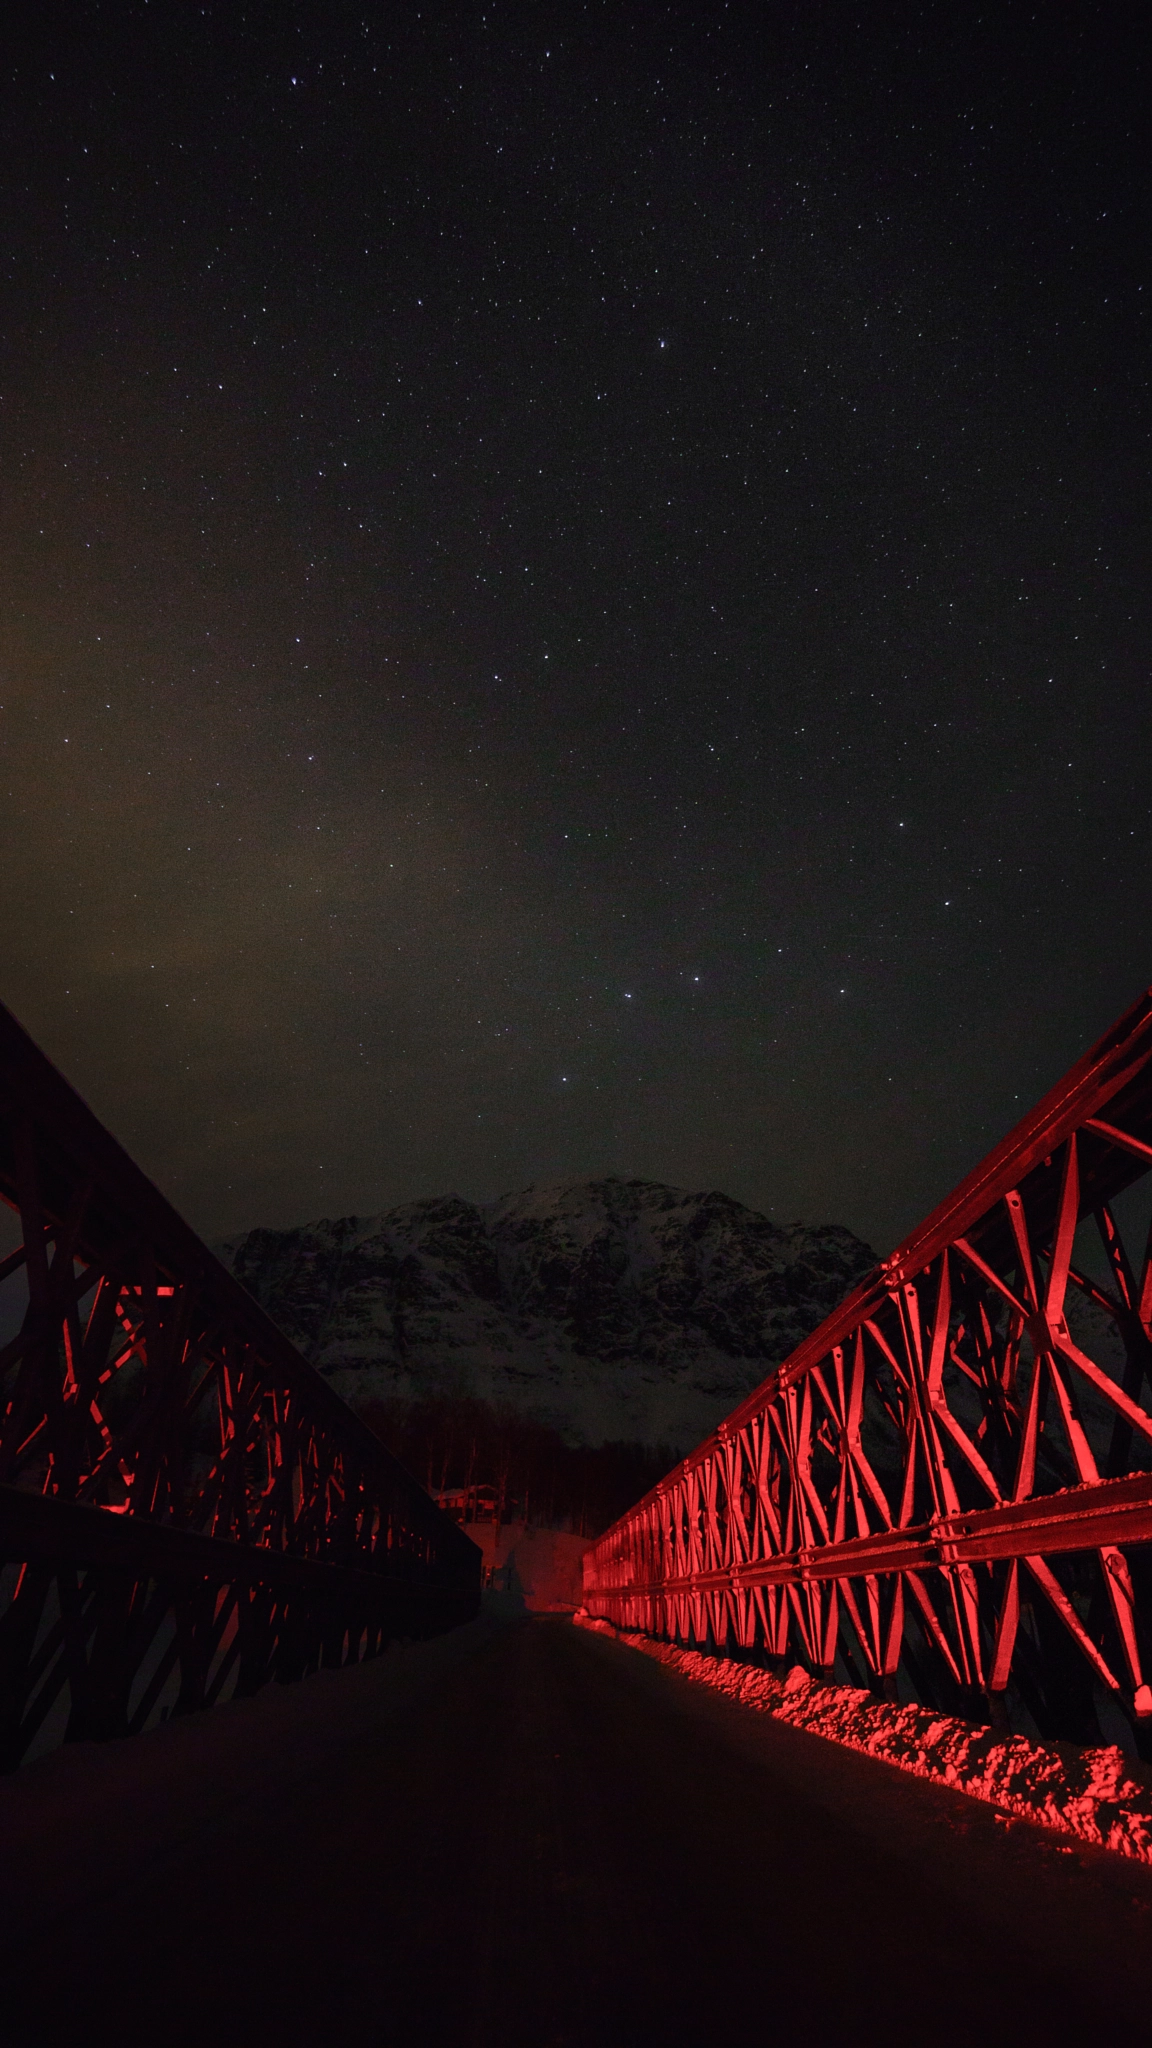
(187,1509)
(952,1476)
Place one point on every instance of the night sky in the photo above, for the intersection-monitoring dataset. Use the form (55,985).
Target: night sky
(573,589)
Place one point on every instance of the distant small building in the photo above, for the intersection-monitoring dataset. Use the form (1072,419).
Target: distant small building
(541,1564)
(474,1503)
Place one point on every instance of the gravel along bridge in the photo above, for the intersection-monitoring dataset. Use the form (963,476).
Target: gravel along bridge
(463,1824)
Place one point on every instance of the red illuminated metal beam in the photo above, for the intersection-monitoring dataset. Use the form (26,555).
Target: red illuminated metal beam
(1083,1518)
(978,1403)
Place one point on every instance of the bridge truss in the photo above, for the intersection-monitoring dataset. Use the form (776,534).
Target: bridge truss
(947,1488)
(186,1508)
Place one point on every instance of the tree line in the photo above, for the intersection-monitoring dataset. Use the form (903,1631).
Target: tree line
(526,1469)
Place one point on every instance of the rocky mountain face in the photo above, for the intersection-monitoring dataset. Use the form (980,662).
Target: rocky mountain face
(609,1309)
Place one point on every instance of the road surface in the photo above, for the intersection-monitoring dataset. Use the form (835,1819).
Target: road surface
(527,1836)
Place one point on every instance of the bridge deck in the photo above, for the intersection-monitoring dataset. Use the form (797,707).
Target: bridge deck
(527,1835)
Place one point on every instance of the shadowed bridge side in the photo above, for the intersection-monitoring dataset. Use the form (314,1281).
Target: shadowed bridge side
(186,1508)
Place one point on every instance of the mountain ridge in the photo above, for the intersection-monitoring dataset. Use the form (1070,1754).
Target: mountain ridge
(606,1308)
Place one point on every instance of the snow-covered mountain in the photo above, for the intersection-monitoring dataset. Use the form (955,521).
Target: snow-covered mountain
(605,1308)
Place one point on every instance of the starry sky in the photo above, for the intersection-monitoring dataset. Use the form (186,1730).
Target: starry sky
(573,588)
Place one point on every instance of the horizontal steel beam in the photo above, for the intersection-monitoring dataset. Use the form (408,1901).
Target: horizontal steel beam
(36,1528)
(1081,1519)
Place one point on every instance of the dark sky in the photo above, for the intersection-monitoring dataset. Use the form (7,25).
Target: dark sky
(573,588)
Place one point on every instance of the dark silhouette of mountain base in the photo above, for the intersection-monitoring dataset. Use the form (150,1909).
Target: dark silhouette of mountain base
(607,1309)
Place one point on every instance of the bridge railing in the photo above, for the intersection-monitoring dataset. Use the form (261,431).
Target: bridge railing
(187,1509)
(947,1487)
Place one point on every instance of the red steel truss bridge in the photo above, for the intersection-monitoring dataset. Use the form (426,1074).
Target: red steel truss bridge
(186,1508)
(948,1485)
(521,1831)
